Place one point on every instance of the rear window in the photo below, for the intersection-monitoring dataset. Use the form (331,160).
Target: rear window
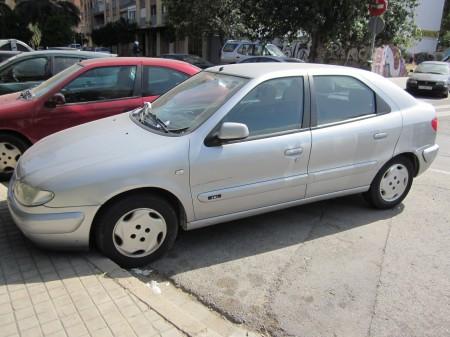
(229,47)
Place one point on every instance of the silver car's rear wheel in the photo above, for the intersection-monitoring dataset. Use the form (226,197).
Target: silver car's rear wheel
(136,229)
(394,182)
(9,156)
(139,232)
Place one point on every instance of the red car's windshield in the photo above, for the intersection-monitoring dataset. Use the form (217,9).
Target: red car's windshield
(52,82)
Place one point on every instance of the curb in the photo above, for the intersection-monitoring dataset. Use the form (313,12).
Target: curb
(208,323)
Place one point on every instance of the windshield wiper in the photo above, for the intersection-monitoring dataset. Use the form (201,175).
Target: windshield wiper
(26,94)
(147,111)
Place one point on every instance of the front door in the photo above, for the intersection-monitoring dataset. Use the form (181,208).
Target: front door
(95,94)
(267,168)
(354,134)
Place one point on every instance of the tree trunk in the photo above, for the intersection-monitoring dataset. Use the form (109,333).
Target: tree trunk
(316,43)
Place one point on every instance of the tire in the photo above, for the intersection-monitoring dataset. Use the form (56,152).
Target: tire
(11,148)
(386,190)
(145,217)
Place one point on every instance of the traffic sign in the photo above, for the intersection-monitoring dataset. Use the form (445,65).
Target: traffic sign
(378,7)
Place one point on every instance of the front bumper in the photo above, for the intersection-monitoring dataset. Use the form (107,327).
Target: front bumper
(62,228)
(426,155)
(435,89)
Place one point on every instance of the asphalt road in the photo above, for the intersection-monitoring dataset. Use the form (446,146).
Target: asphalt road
(333,268)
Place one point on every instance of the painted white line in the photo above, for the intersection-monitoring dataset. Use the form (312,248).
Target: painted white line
(440,171)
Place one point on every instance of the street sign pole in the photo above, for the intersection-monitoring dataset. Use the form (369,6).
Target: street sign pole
(372,47)
(376,23)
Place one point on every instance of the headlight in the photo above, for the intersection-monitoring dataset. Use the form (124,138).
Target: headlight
(31,196)
(441,84)
(412,81)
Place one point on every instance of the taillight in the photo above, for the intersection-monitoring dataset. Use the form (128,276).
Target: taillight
(434,124)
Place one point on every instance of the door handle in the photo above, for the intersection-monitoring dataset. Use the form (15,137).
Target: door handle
(293,152)
(380,135)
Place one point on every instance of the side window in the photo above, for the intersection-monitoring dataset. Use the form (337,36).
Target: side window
(26,70)
(20,47)
(6,46)
(245,49)
(339,98)
(159,80)
(61,63)
(229,47)
(273,106)
(101,84)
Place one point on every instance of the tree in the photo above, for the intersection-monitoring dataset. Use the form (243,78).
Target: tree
(444,35)
(114,33)
(11,25)
(323,21)
(197,18)
(55,19)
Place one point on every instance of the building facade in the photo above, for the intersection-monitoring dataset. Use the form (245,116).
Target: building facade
(149,16)
(428,19)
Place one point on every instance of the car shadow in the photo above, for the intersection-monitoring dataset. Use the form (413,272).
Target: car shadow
(268,232)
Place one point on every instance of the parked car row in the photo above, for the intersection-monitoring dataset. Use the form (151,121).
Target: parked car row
(221,144)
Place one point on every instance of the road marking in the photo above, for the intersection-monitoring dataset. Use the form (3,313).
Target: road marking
(440,171)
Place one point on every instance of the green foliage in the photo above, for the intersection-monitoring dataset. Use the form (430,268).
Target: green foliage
(55,19)
(114,33)
(324,22)
(196,18)
(444,37)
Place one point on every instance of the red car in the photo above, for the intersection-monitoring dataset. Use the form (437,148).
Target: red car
(84,92)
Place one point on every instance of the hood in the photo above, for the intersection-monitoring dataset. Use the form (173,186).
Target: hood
(429,77)
(115,139)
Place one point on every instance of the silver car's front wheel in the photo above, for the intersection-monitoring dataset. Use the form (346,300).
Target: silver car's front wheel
(136,229)
(392,183)
(139,232)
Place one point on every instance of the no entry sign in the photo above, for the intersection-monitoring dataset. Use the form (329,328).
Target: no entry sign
(377,7)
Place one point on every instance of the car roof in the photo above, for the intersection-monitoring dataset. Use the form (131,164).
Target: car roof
(434,62)
(63,52)
(150,61)
(255,70)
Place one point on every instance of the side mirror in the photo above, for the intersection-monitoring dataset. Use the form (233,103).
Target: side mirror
(227,132)
(55,100)
(411,71)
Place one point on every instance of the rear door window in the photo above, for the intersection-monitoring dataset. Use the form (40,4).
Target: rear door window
(159,80)
(339,98)
(63,62)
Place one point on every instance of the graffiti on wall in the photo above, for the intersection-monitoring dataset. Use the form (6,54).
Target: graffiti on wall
(388,62)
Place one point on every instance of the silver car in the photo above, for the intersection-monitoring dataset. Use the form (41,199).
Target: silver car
(231,142)
(235,51)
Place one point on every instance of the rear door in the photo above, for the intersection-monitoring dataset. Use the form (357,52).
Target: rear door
(98,92)
(354,132)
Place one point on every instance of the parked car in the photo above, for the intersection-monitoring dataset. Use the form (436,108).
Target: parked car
(86,91)
(234,51)
(29,69)
(230,142)
(98,49)
(192,59)
(255,59)
(430,77)
(14,45)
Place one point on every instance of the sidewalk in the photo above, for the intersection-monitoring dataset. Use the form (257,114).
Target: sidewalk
(46,293)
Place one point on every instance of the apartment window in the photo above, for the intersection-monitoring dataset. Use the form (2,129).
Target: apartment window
(153,10)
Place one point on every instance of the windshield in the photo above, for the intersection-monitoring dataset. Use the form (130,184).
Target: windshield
(274,50)
(52,82)
(432,68)
(192,102)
